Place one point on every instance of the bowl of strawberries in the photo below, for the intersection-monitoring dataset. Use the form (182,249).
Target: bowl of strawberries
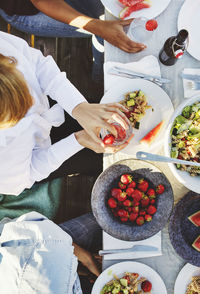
(132,200)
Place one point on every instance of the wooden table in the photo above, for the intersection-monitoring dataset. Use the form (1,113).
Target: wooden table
(169,264)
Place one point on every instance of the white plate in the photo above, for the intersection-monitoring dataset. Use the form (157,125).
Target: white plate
(189,19)
(184,278)
(158,6)
(192,183)
(157,98)
(158,286)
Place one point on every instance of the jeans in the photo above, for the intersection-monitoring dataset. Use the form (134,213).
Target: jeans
(42,25)
(86,233)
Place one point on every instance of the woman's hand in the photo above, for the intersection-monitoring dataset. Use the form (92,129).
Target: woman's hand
(94,117)
(85,140)
(86,259)
(112,31)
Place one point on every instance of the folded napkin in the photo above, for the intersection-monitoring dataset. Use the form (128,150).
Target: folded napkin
(110,242)
(187,91)
(147,65)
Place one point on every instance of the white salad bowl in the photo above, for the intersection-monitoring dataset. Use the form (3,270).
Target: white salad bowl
(192,183)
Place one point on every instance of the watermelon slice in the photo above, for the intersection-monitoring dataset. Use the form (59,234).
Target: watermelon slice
(196,243)
(128,10)
(130,2)
(195,218)
(150,137)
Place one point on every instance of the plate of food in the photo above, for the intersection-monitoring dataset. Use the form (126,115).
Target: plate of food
(182,141)
(132,200)
(129,277)
(135,8)
(188,280)
(184,228)
(189,20)
(150,109)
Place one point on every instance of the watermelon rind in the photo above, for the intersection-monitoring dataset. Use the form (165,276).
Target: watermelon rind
(196,243)
(195,218)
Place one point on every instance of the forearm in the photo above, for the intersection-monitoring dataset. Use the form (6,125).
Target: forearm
(60,10)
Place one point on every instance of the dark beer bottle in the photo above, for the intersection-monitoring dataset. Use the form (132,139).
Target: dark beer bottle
(174,48)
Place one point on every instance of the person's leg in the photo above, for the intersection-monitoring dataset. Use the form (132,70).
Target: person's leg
(84,231)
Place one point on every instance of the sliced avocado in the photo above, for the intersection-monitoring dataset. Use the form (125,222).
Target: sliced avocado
(181,144)
(178,165)
(124,282)
(181,120)
(140,93)
(125,291)
(174,153)
(130,102)
(132,94)
(194,130)
(197,115)
(116,289)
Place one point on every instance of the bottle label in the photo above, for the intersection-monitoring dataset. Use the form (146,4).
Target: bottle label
(178,53)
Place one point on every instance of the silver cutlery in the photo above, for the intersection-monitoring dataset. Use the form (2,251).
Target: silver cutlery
(195,78)
(155,157)
(134,248)
(124,72)
(191,85)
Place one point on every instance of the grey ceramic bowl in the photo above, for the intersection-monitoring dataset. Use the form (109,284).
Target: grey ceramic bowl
(108,179)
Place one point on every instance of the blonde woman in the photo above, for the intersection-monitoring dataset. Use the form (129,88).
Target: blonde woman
(26,119)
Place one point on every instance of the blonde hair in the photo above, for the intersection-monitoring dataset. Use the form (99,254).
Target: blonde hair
(15,98)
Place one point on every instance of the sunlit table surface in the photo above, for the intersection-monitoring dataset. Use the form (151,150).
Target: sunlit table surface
(169,264)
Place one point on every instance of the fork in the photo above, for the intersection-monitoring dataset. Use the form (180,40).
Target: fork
(193,85)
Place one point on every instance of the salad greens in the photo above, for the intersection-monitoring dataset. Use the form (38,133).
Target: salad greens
(185,138)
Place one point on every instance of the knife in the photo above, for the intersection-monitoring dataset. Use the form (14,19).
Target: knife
(134,248)
(115,70)
(195,78)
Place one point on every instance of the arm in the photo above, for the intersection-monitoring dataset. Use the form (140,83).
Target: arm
(111,31)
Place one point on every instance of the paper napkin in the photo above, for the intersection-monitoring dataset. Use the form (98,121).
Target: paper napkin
(187,91)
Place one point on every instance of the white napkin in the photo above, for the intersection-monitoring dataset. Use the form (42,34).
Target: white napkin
(187,91)
(147,65)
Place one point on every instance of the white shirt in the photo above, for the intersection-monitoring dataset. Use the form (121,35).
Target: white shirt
(36,257)
(26,153)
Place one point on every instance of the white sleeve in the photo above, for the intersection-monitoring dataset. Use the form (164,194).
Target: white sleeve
(45,161)
(52,81)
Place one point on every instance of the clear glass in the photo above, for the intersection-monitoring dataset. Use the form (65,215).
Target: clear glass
(120,139)
(137,30)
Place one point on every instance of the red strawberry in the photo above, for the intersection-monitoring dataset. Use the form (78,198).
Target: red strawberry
(144,201)
(152,201)
(140,220)
(160,189)
(137,195)
(122,213)
(129,209)
(146,286)
(132,185)
(151,193)
(108,139)
(121,132)
(129,191)
(148,217)
(112,202)
(142,212)
(115,192)
(151,25)
(127,202)
(124,219)
(151,209)
(121,185)
(126,179)
(135,209)
(135,203)
(133,216)
(143,185)
(122,196)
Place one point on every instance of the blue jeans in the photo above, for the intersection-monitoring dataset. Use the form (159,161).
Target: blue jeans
(42,25)
(86,233)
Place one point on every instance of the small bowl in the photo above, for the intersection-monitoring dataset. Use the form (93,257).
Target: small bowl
(106,181)
(192,183)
